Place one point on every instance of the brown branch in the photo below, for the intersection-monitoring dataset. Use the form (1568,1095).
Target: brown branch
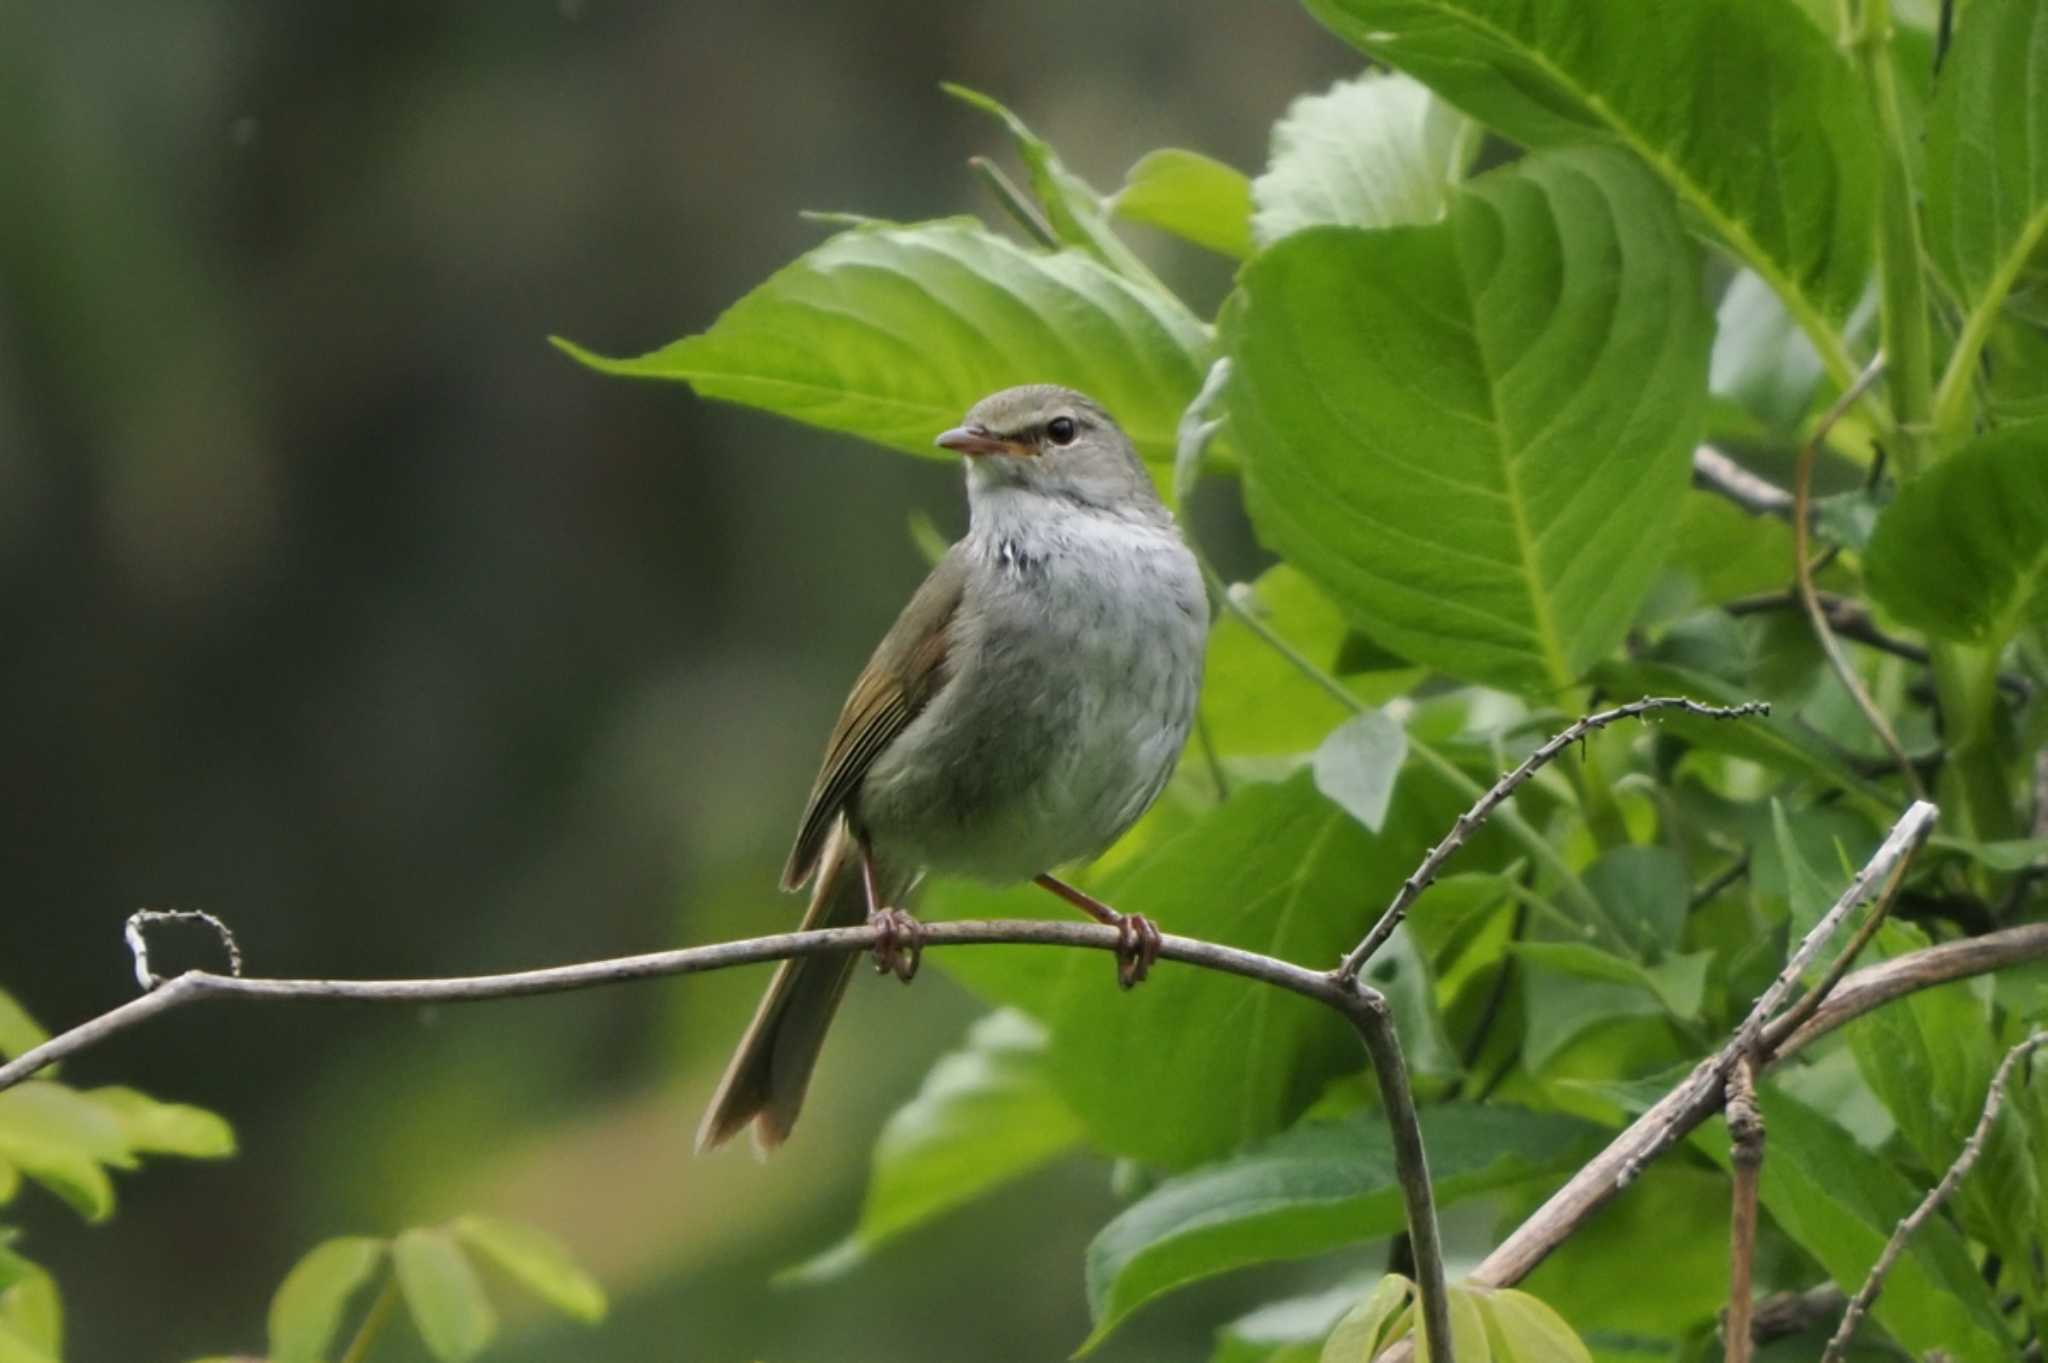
(1994,1099)
(1802,570)
(1364,1008)
(1715,472)
(1420,879)
(1746,1159)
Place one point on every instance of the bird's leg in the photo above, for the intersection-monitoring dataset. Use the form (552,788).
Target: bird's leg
(1137,941)
(894,929)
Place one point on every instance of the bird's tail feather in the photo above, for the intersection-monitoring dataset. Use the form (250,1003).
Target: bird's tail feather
(765,1082)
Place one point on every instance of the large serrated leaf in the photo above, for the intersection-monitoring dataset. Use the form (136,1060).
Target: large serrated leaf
(891,332)
(537,1261)
(1840,1203)
(987,1114)
(1743,107)
(1477,434)
(1321,1185)
(306,1312)
(1962,552)
(1276,869)
(1987,151)
(1376,151)
(443,1294)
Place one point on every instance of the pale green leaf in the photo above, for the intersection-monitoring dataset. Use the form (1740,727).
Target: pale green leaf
(15,1347)
(1311,1189)
(1290,1330)
(1357,765)
(1987,151)
(891,333)
(443,1294)
(34,1309)
(1746,110)
(1195,197)
(1762,360)
(158,1128)
(537,1261)
(1469,1339)
(61,1139)
(1521,1328)
(18,1031)
(1477,434)
(1962,552)
(1369,1326)
(1378,150)
(987,1114)
(306,1312)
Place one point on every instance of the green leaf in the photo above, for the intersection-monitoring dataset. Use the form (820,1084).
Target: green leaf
(1987,151)
(1597,985)
(987,1114)
(33,1308)
(1287,1331)
(151,1127)
(442,1292)
(1506,528)
(1982,517)
(2011,854)
(1520,1328)
(1840,1203)
(306,1311)
(1743,107)
(1312,1189)
(890,333)
(1450,904)
(1807,893)
(1372,1324)
(16,1347)
(1195,197)
(537,1261)
(18,1031)
(1375,151)
(1762,361)
(60,1139)
(1276,869)
(1356,766)
(1675,1217)
(1646,891)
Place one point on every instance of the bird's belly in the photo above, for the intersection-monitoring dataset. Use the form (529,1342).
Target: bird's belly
(1056,742)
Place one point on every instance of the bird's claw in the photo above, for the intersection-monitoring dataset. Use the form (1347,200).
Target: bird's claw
(1137,946)
(899,943)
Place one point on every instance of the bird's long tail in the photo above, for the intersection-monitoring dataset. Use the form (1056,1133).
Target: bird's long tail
(766,1079)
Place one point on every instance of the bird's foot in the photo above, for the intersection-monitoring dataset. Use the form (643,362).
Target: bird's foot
(1137,946)
(899,943)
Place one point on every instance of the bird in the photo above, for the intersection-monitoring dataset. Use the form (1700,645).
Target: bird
(1028,705)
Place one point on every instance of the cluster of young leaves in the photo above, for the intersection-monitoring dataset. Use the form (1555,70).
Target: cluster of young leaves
(1462,413)
(431,1271)
(71,1141)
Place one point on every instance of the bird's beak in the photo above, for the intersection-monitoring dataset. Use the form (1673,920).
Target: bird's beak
(973,442)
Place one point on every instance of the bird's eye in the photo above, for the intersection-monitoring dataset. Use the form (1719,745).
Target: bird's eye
(1061,429)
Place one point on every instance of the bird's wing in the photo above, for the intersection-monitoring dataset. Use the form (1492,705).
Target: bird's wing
(908,668)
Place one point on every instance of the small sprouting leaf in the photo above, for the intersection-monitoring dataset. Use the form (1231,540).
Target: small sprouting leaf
(158,1128)
(987,1114)
(18,1031)
(1358,763)
(306,1311)
(1982,516)
(538,1261)
(1522,1329)
(444,1295)
(1376,151)
(1369,1326)
(1195,197)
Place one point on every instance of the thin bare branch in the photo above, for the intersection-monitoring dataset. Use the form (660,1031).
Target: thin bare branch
(1802,571)
(1470,820)
(1994,1099)
(1746,1159)
(1812,999)
(1715,472)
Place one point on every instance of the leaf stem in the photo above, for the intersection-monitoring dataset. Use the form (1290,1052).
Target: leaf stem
(373,1320)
